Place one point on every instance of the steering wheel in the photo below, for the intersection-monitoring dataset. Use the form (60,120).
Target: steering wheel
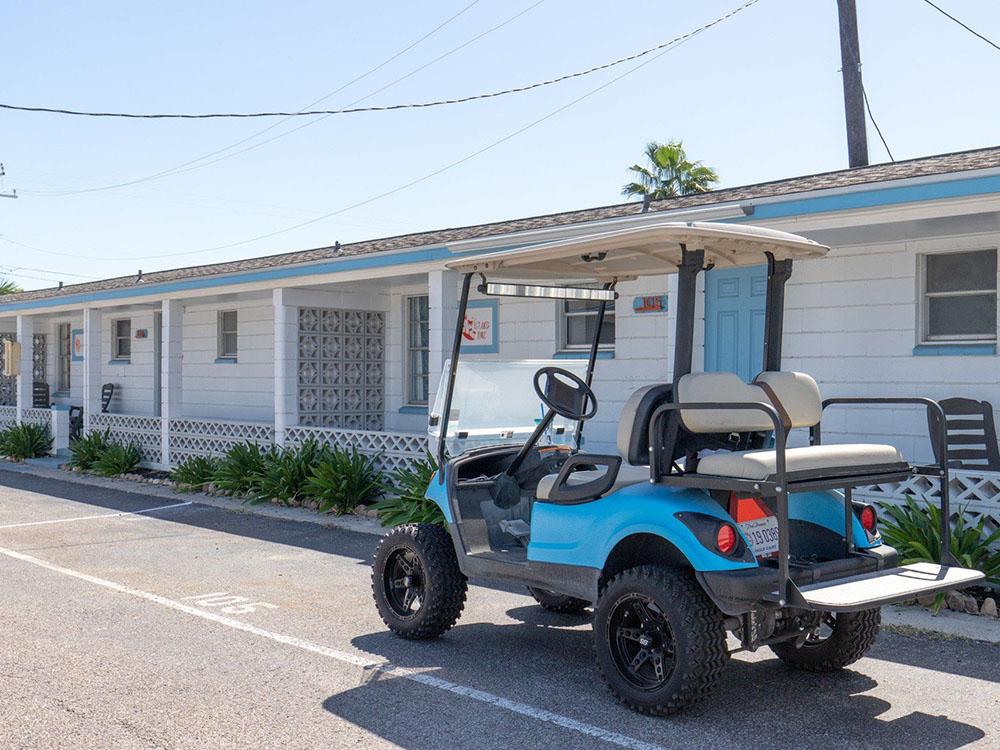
(573,400)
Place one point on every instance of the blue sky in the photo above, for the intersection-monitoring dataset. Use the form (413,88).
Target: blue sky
(757,97)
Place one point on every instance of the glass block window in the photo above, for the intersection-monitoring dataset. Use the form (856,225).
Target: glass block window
(578,321)
(227,334)
(417,349)
(341,368)
(959,296)
(121,339)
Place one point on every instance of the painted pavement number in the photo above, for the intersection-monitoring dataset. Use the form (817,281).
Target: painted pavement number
(231,604)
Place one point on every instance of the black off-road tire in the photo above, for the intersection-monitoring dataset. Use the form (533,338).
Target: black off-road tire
(853,634)
(427,549)
(553,602)
(696,626)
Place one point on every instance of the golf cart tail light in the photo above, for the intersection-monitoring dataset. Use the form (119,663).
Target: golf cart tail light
(869,519)
(725,539)
(748,508)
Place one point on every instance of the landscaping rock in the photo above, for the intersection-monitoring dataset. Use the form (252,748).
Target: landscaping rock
(989,608)
(971,605)
(955,601)
(926,600)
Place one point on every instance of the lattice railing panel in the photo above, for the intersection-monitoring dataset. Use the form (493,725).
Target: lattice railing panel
(8,416)
(131,428)
(209,437)
(977,492)
(395,449)
(38,416)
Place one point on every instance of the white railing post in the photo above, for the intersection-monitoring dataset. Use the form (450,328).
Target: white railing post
(171,371)
(26,338)
(60,429)
(442,290)
(286,362)
(91,364)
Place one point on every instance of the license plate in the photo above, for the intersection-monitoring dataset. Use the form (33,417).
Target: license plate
(762,533)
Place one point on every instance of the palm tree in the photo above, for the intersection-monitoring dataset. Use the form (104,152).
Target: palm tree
(9,287)
(669,174)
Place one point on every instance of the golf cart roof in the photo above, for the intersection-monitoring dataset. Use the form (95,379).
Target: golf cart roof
(642,251)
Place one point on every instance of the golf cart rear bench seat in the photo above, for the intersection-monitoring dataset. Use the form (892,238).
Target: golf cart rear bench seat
(796,398)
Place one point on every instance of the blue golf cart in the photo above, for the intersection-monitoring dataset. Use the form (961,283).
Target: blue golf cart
(703,523)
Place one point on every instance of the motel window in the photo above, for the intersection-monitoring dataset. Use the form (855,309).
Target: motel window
(959,297)
(578,321)
(417,349)
(65,356)
(121,339)
(227,334)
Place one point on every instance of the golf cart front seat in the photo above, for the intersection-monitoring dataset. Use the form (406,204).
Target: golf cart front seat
(633,444)
(796,398)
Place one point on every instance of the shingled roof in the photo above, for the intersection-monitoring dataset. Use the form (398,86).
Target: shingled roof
(962,161)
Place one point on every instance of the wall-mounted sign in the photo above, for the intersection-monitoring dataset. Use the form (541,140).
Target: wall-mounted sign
(479,334)
(76,345)
(650,303)
(142,333)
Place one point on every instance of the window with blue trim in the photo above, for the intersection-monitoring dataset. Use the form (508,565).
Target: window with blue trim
(578,321)
(958,302)
(417,349)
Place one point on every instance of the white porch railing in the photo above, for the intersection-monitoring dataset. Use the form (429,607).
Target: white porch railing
(395,449)
(8,416)
(37,416)
(977,492)
(211,437)
(131,428)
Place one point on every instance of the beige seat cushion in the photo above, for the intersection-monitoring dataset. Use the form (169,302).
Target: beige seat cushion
(759,465)
(627,475)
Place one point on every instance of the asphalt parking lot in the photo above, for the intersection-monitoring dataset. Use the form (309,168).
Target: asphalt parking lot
(194,627)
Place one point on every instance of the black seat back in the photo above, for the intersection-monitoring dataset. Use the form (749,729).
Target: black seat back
(40,395)
(633,426)
(970,433)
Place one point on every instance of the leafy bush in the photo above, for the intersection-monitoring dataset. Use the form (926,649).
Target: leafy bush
(284,473)
(342,481)
(410,503)
(192,474)
(26,440)
(240,469)
(915,532)
(86,449)
(118,459)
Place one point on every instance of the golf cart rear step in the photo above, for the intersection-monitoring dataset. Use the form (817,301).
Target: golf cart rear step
(884,587)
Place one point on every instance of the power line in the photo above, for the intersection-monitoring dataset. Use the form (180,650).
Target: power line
(868,109)
(377,108)
(668,47)
(968,28)
(201,161)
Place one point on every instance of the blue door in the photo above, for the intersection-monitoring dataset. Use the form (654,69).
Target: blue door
(734,320)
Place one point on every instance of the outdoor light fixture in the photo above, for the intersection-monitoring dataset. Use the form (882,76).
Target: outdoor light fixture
(550,292)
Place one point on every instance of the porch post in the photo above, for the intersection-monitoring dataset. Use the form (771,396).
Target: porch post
(91,364)
(171,370)
(442,289)
(286,350)
(26,338)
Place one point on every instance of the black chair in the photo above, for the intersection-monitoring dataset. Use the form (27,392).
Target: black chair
(75,422)
(971,434)
(107,393)
(40,398)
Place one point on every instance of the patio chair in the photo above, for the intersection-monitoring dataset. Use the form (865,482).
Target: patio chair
(75,422)
(971,434)
(107,393)
(40,398)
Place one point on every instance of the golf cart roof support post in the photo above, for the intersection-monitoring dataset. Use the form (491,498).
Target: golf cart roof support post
(778,273)
(463,305)
(592,360)
(691,264)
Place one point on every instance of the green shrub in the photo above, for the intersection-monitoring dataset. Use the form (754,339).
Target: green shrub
(239,471)
(192,474)
(86,449)
(341,481)
(118,459)
(915,532)
(284,473)
(410,503)
(26,440)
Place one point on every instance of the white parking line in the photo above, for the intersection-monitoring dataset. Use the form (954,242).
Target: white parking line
(354,659)
(90,518)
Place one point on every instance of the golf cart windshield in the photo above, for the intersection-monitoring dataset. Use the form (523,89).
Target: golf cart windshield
(495,403)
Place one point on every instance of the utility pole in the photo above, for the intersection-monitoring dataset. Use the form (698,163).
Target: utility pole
(854,93)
